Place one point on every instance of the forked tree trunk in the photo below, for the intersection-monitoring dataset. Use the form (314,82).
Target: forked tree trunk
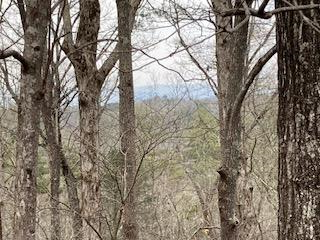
(84,62)
(31,95)
(127,120)
(298,123)
(231,51)
(90,80)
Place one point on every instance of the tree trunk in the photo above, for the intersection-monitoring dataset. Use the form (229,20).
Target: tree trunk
(127,120)
(231,51)
(2,183)
(31,95)
(83,58)
(298,124)
(91,193)
(50,112)
(58,159)
(50,123)
(90,81)
(74,202)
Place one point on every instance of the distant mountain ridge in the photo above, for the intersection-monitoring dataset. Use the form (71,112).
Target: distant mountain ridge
(186,91)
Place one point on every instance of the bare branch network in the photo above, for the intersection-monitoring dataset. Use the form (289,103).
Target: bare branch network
(261,13)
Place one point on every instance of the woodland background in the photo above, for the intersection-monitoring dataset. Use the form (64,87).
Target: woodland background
(167,119)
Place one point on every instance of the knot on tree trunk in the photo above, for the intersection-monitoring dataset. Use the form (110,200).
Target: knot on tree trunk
(222,172)
(234,222)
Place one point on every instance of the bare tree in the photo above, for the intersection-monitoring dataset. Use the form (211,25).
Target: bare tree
(90,79)
(234,80)
(127,119)
(231,50)
(298,122)
(35,17)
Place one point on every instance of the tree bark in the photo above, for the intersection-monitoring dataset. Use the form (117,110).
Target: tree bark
(231,51)
(91,192)
(298,124)
(50,124)
(84,62)
(127,120)
(31,95)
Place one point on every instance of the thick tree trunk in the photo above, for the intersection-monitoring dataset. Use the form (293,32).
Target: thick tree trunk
(31,94)
(127,119)
(231,51)
(91,193)
(298,124)
(1,228)
(84,62)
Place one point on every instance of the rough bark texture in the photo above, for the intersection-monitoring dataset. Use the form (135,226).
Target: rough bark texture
(91,192)
(231,51)
(127,120)
(31,94)
(298,124)
(84,62)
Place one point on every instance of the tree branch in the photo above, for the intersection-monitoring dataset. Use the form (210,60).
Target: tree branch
(9,88)
(22,11)
(68,44)
(12,53)
(193,58)
(108,65)
(267,15)
(252,75)
(263,6)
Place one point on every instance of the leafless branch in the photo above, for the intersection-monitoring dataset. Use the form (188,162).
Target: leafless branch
(12,53)
(192,57)
(108,65)
(22,13)
(263,6)
(269,14)
(202,228)
(9,88)
(68,44)
(251,77)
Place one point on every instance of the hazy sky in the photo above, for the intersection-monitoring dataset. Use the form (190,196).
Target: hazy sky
(154,40)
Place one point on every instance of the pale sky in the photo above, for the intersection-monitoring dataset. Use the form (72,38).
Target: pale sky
(153,66)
